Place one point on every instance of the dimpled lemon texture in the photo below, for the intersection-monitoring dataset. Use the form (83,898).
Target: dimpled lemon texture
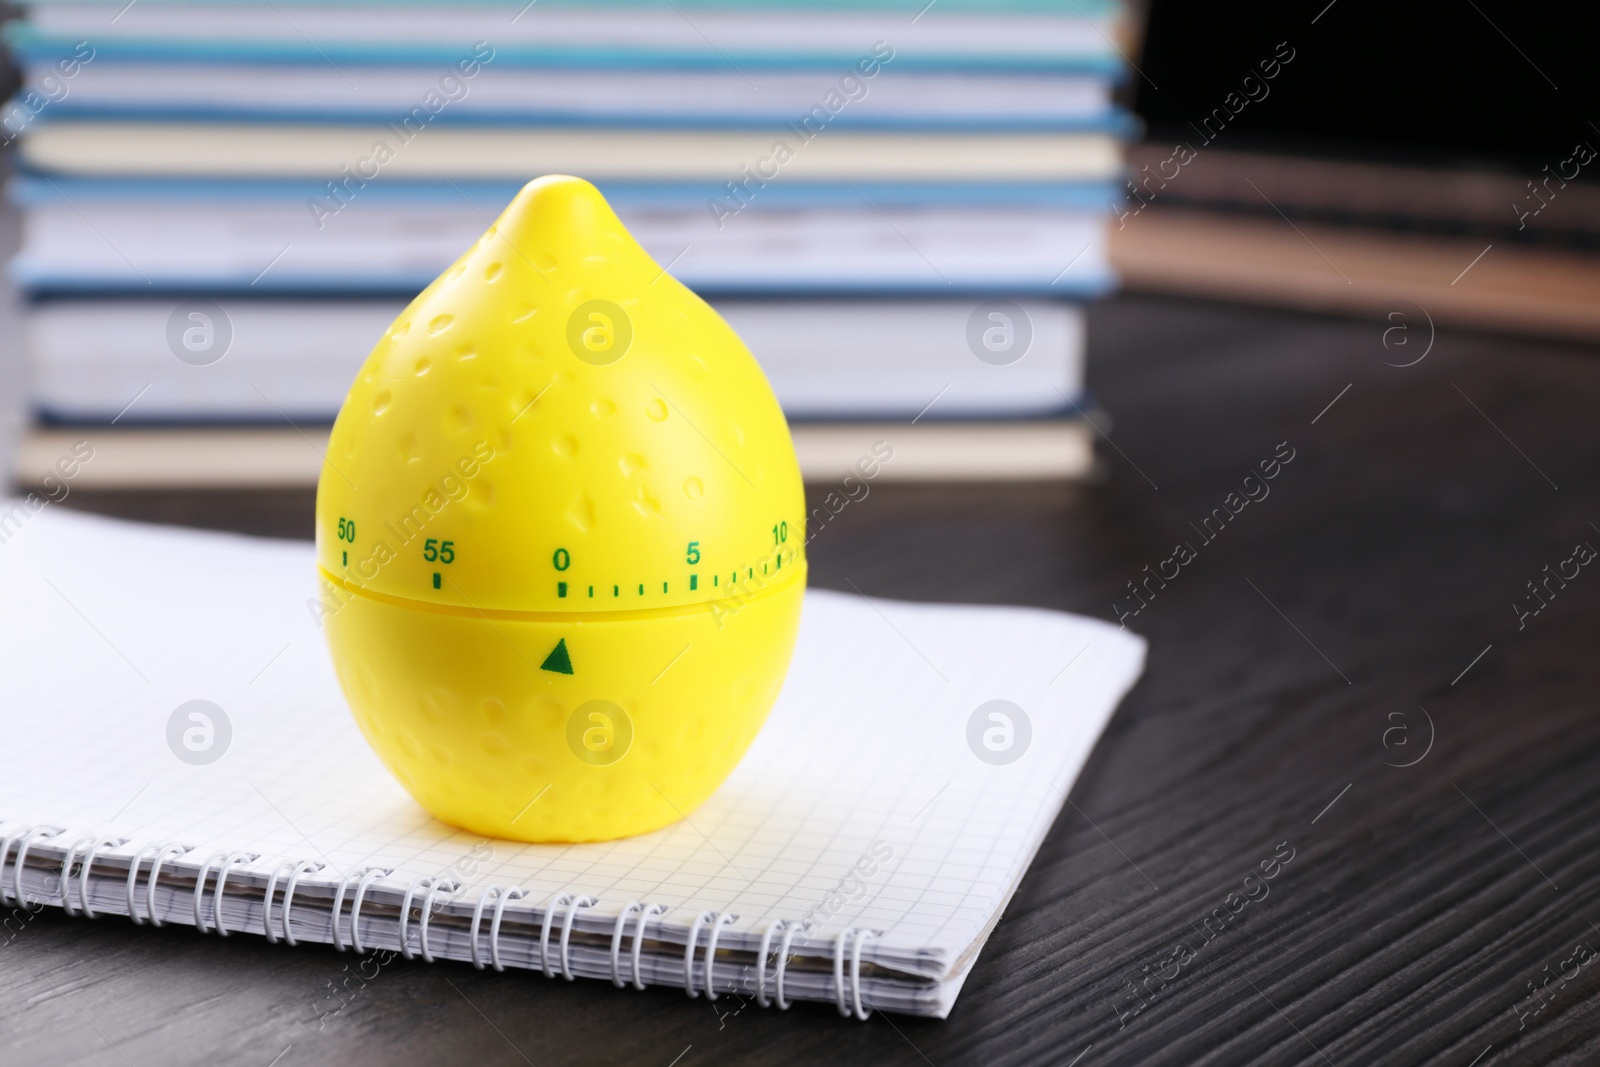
(560,535)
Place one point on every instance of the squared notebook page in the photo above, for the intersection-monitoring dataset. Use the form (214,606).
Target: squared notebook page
(106,627)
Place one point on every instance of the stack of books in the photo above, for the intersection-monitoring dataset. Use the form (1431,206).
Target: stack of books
(900,205)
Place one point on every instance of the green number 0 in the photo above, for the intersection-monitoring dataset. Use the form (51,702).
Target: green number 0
(562,559)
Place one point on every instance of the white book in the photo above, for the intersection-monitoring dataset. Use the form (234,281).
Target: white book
(321,152)
(290,457)
(384,246)
(863,849)
(147,360)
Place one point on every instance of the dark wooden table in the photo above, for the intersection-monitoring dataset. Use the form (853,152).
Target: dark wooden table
(1340,674)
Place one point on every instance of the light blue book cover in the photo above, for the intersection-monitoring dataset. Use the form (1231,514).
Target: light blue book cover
(1114,122)
(36,281)
(37,49)
(1086,44)
(31,190)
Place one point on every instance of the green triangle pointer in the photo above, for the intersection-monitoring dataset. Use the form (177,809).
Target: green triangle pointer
(558,660)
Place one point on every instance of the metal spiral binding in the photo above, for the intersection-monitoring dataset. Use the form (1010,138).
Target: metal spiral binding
(355,907)
(133,879)
(169,852)
(5,848)
(21,837)
(718,920)
(25,839)
(434,887)
(158,855)
(367,875)
(616,941)
(297,871)
(566,932)
(303,868)
(266,902)
(638,941)
(227,859)
(200,888)
(503,898)
(855,971)
(91,844)
(88,843)
(572,902)
(789,929)
(83,852)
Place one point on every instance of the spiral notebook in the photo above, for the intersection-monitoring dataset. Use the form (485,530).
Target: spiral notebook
(859,856)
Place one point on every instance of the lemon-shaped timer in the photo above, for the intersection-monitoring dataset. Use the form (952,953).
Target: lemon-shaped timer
(560,532)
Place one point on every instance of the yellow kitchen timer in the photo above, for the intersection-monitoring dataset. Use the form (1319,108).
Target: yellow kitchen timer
(560,535)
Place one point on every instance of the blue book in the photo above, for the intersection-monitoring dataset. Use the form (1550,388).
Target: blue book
(745,37)
(31,190)
(506,95)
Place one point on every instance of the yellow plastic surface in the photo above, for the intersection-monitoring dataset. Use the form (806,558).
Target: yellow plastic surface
(560,530)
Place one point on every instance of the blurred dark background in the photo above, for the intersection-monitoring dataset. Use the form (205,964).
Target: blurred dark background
(1466,82)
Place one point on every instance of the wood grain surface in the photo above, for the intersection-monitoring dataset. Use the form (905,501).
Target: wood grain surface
(1359,618)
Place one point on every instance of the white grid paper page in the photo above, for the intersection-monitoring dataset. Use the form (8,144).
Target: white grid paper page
(107,627)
